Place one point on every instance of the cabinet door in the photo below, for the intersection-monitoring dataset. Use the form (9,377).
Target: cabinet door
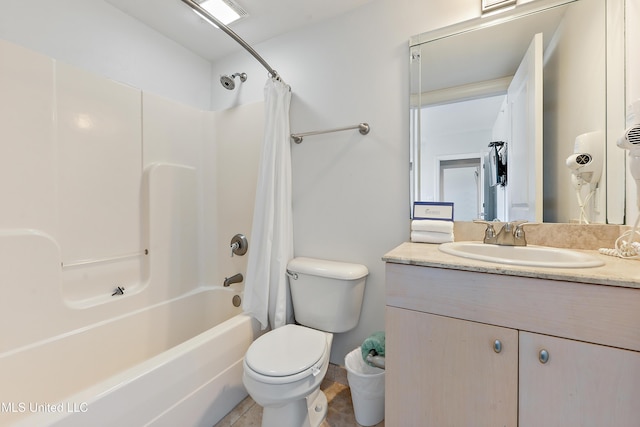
(580,384)
(444,372)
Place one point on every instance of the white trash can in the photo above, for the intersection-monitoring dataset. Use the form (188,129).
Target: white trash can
(367,389)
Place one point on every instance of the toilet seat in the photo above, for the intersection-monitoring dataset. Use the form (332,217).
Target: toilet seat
(286,354)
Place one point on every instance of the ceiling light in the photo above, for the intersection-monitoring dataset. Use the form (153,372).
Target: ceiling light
(489,6)
(226,11)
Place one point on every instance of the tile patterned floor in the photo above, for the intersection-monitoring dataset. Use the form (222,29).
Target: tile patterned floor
(340,413)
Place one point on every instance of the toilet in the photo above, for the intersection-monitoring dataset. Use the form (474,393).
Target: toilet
(283,368)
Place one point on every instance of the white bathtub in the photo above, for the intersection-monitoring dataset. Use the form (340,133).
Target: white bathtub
(178,363)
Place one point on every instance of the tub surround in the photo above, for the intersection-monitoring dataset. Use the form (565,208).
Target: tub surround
(109,189)
(582,238)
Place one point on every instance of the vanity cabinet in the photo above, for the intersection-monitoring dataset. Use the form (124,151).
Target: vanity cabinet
(448,373)
(574,383)
(470,348)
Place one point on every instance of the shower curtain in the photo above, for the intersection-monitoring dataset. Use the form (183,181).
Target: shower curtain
(266,292)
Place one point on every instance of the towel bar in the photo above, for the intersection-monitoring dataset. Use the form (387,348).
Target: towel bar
(363,128)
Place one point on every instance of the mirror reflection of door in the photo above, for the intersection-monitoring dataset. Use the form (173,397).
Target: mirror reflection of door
(461,182)
(524,189)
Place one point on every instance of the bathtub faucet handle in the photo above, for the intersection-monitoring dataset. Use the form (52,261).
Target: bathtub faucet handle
(234,247)
(239,245)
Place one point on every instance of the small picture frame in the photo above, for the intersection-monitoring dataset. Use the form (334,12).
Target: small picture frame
(433,210)
(491,5)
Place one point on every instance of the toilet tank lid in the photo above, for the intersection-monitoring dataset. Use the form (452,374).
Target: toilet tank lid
(326,268)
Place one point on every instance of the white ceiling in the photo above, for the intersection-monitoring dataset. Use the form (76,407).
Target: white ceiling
(267,19)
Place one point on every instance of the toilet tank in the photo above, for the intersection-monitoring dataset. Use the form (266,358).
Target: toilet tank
(326,295)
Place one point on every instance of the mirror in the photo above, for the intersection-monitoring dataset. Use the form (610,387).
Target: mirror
(471,143)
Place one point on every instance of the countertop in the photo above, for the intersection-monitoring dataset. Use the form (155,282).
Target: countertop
(615,272)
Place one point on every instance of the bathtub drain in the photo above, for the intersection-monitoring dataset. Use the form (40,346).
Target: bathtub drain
(236,300)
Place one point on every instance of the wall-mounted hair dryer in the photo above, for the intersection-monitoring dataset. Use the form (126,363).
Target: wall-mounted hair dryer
(627,245)
(630,140)
(587,159)
(586,164)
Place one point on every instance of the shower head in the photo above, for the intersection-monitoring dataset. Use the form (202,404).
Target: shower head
(228,82)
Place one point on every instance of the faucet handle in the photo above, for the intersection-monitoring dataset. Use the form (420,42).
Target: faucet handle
(489,233)
(518,233)
(521,223)
(484,221)
(239,245)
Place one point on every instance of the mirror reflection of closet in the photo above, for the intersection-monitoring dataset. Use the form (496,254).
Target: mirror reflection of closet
(460,76)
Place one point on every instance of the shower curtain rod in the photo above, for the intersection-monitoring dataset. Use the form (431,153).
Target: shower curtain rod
(362,127)
(195,6)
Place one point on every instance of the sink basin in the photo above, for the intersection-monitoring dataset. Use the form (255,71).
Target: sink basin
(534,256)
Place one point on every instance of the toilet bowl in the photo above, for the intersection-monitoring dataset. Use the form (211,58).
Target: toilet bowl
(283,369)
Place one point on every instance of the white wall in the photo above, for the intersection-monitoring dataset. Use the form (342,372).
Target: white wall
(455,128)
(575,59)
(351,192)
(97,37)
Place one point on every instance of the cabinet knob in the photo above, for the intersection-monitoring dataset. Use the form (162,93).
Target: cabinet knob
(543,356)
(497,346)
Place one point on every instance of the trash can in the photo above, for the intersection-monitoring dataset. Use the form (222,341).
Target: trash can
(367,389)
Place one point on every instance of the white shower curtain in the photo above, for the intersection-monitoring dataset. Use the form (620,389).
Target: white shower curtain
(266,292)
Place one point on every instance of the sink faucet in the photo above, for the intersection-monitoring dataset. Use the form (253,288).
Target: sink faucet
(511,233)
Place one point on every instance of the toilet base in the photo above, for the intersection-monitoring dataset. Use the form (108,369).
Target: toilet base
(317,406)
(308,412)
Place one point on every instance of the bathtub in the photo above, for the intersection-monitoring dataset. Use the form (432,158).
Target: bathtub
(174,363)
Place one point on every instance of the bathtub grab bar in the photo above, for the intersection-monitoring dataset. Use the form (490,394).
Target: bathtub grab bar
(364,129)
(101,260)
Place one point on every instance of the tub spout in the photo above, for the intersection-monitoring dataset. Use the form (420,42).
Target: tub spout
(236,278)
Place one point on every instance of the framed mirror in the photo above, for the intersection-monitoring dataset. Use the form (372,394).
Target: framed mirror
(499,103)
